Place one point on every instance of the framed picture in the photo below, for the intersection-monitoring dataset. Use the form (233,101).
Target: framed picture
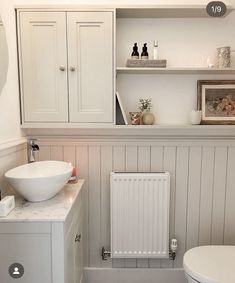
(216,100)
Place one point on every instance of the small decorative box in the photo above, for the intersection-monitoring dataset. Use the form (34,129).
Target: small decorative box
(146,63)
(6,205)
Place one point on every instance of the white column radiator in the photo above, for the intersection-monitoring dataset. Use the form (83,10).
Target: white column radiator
(140,215)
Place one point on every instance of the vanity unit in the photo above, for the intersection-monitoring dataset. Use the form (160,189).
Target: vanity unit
(45,238)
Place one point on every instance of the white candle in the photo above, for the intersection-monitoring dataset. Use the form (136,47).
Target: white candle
(195,117)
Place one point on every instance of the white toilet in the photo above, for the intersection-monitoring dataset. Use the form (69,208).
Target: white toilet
(210,264)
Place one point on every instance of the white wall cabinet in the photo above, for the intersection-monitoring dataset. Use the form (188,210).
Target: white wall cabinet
(67,68)
(43,66)
(50,252)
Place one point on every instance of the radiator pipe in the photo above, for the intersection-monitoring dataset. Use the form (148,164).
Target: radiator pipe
(105,254)
(173,249)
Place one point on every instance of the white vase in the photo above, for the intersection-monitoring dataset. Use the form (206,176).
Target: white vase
(147,118)
(195,117)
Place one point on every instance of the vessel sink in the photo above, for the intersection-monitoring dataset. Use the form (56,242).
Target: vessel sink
(39,181)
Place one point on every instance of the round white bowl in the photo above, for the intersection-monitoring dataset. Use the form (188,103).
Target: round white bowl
(39,181)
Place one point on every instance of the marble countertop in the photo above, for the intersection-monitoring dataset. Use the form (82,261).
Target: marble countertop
(54,209)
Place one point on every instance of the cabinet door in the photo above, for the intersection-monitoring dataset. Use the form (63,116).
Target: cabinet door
(43,66)
(32,251)
(69,254)
(90,61)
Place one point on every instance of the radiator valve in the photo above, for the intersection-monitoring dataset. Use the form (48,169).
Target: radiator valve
(173,249)
(105,254)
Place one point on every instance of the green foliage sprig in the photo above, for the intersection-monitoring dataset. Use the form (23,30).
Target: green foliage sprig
(145,104)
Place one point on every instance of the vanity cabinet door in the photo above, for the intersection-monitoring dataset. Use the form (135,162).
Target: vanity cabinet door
(69,255)
(78,251)
(73,244)
(90,63)
(32,251)
(43,63)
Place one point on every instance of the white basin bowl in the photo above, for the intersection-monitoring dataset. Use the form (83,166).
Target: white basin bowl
(40,180)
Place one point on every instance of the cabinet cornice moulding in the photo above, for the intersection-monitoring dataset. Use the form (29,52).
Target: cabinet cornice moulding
(134,11)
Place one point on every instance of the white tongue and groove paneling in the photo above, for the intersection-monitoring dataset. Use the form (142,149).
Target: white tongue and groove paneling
(94,195)
(201,188)
(181,199)
(119,164)
(194,190)
(219,195)
(57,153)
(144,165)
(229,226)
(106,153)
(169,162)
(11,155)
(82,167)
(156,165)
(131,166)
(207,178)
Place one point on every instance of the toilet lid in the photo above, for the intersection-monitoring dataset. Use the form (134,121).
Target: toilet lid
(211,264)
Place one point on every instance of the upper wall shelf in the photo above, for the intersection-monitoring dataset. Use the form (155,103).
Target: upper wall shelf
(165,11)
(127,70)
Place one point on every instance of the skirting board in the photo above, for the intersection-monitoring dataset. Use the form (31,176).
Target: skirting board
(134,275)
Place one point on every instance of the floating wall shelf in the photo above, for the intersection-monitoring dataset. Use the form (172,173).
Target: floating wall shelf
(127,70)
(128,131)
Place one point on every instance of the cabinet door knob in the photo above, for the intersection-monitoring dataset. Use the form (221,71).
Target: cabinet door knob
(62,68)
(78,238)
(72,68)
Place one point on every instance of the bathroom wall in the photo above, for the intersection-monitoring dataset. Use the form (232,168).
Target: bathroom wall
(12,153)
(9,97)
(202,188)
(202,194)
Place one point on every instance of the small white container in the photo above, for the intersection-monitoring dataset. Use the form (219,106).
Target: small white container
(155,50)
(195,117)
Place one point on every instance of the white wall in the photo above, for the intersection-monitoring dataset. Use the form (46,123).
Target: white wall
(192,220)
(12,154)
(9,101)
(3,55)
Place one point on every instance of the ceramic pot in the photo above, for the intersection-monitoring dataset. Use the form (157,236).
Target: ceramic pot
(147,118)
(135,118)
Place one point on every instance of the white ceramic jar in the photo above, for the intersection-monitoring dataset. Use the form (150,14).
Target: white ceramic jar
(195,117)
(147,118)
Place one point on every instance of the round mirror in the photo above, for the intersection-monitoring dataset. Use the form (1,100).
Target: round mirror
(3,56)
